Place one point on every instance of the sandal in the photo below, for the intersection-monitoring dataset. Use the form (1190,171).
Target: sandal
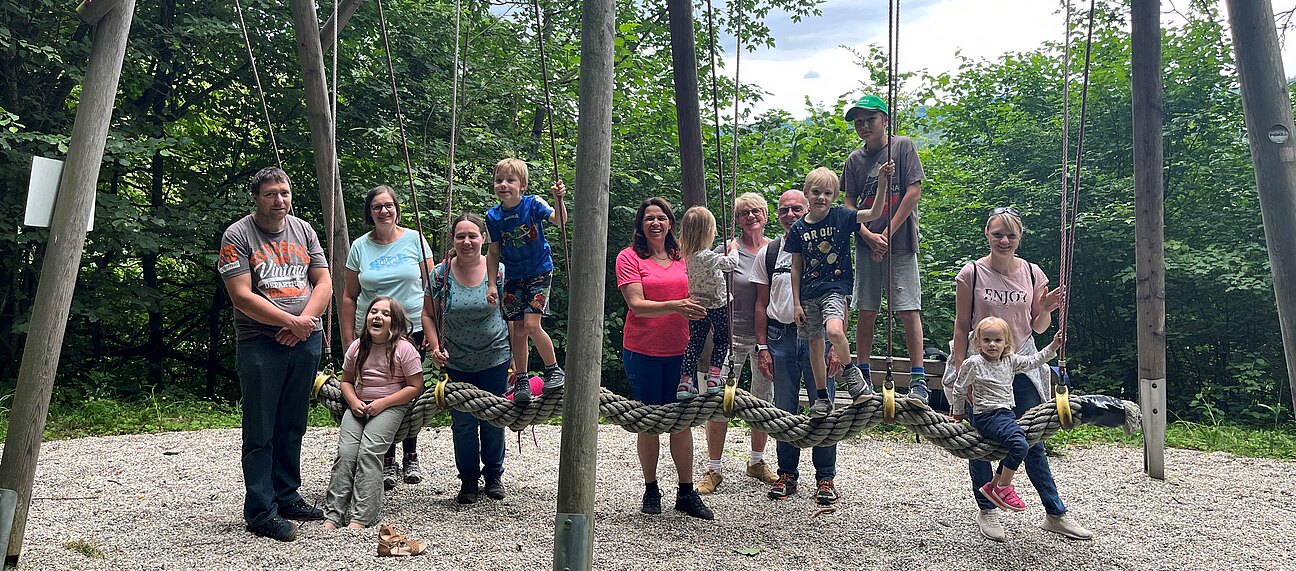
(392,543)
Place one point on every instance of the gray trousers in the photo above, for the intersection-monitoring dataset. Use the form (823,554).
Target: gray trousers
(355,490)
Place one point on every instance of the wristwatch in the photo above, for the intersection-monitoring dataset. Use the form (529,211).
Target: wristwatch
(762,347)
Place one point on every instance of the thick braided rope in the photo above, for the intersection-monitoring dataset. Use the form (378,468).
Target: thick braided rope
(960,439)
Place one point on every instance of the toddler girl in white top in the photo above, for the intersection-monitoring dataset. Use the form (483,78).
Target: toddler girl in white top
(706,275)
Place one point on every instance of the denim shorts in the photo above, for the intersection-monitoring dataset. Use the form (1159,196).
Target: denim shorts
(818,312)
(653,380)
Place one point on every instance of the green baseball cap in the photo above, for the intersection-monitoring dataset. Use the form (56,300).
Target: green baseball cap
(867,103)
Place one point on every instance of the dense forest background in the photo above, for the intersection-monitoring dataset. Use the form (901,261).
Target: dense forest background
(150,316)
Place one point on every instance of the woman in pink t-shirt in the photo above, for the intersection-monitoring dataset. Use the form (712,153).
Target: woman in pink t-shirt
(1002,285)
(653,282)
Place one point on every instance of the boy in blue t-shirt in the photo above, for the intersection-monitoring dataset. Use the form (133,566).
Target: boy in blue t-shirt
(515,230)
(820,244)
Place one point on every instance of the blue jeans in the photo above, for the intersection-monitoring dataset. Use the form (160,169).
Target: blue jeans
(1037,466)
(791,372)
(1000,425)
(478,446)
(276,383)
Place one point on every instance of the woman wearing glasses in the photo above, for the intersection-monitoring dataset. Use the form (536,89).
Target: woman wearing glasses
(386,262)
(1002,285)
(750,215)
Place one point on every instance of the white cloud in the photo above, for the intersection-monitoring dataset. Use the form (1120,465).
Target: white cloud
(931,37)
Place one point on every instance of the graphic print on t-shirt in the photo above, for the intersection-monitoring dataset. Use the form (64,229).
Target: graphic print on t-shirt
(281,268)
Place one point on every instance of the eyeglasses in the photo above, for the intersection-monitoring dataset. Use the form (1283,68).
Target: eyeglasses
(383,206)
(749,212)
(795,209)
(1006,210)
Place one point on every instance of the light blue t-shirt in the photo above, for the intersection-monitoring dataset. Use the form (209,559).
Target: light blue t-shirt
(519,231)
(475,335)
(391,270)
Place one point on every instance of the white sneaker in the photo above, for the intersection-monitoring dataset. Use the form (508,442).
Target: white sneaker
(1063,525)
(988,523)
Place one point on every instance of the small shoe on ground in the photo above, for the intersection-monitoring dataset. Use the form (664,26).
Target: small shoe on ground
(761,471)
(392,543)
(686,390)
(1005,497)
(554,379)
(856,383)
(467,492)
(1063,525)
(821,408)
(391,474)
(299,510)
(521,389)
(651,502)
(412,471)
(691,503)
(714,385)
(710,481)
(918,392)
(827,494)
(784,488)
(988,523)
(274,527)
(494,489)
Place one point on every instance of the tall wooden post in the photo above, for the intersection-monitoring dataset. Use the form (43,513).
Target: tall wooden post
(62,260)
(323,143)
(1149,228)
(688,117)
(574,523)
(1273,153)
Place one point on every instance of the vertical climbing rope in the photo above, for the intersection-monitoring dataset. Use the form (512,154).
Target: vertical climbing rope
(1070,207)
(265,109)
(719,155)
(553,145)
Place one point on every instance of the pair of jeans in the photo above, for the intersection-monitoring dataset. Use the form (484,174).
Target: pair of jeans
(1000,425)
(355,489)
(652,379)
(1037,467)
(791,373)
(276,382)
(478,446)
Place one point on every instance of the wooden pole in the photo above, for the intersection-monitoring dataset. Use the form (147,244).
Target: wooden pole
(345,10)
(62,262)
(688,117)
(574,523)
(1273,153)
(1149,228)
(323,142)
(91,12)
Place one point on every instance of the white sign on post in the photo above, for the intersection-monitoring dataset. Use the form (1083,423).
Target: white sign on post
(42,191)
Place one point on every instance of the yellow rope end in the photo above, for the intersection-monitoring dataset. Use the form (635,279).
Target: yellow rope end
(321,378)
(438,392)
(730,391)
(1062,395)
(888,400)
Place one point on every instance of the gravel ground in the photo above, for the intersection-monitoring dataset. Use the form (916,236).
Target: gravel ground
(174,501)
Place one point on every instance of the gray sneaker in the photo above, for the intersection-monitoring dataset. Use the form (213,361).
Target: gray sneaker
(391,474)
(856,383)
(988,523)
(522,389)
(554,379)
(412,471)
(821,408)
(918,391)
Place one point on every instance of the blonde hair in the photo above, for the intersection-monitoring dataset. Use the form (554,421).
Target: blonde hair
(1009,219)
(822,176)
(749,200)
(516,167)
(697,230)
(992,323)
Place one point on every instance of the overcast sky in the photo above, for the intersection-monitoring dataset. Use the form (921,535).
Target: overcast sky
(809,60)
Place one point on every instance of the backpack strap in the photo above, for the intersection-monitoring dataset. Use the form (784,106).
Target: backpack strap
(972,308)
(771,256)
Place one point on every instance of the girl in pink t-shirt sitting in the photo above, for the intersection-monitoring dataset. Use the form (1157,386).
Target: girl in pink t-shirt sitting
(381,374)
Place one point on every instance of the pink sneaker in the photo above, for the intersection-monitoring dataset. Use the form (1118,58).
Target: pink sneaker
(1005,497)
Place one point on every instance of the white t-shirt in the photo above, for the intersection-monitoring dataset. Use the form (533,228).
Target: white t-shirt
(780,306)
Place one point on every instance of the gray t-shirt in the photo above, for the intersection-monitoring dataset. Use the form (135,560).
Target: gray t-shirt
(475,334)
(280,264)
(859,182)
(744,292)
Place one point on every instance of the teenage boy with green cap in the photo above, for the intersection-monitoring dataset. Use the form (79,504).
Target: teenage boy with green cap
(899,228)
